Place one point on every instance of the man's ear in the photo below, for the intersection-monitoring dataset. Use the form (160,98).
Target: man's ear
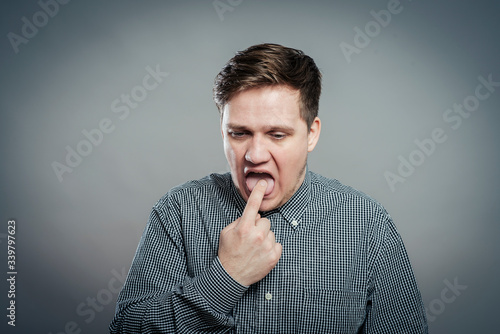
(313,136)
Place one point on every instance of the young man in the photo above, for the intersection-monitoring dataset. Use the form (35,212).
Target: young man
(270,247)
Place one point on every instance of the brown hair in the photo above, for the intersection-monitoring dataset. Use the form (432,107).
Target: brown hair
(266,65)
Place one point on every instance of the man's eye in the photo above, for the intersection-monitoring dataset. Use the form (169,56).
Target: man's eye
(237,134)
(278,135)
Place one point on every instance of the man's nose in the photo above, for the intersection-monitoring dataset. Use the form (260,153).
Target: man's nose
(257,151)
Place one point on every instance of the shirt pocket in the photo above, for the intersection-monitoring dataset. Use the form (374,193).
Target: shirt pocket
(331,311)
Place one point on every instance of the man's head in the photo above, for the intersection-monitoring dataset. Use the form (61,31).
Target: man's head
(268,97)
(271,65)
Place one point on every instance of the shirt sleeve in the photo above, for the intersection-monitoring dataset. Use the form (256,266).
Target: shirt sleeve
(394,304)
(159,295)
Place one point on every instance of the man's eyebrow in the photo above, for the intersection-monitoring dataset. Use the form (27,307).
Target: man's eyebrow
(235,126)
(269,128)
(281,128)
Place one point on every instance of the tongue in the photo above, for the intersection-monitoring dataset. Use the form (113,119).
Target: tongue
(253,178)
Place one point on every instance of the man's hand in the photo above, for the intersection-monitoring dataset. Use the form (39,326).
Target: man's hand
(248,249)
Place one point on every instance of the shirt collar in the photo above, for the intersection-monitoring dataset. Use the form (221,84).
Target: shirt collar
(292,210)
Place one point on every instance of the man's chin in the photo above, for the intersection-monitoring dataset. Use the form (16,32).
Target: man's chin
(269,204)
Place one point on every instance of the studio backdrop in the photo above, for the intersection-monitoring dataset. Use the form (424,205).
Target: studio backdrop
(106,105)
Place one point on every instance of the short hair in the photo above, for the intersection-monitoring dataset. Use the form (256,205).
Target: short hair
(268,65)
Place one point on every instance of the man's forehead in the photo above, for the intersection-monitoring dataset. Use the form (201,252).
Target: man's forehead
(243,119)
(268,92)
(274,105)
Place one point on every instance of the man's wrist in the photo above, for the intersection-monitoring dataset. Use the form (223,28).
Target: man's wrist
(219,289)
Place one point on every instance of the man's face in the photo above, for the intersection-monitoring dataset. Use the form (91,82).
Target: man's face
(265,137)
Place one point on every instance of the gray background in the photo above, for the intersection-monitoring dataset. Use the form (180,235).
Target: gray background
(73,235)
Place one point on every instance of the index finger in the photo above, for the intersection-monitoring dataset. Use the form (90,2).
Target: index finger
(254,201)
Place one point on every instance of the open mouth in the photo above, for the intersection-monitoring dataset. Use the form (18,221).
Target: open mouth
(252,178)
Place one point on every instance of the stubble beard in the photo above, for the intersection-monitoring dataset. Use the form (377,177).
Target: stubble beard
(300,179)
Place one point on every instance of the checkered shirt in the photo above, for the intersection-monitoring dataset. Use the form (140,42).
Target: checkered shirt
(343,269)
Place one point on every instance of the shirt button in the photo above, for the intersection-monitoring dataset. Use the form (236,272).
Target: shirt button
(269,296)
(295,223)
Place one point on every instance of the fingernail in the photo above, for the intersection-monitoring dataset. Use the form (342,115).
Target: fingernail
(263,182)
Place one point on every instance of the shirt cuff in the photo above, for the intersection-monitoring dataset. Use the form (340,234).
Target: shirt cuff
(219,289)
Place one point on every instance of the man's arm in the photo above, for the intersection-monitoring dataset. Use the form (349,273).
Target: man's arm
(396,304)
(159,296)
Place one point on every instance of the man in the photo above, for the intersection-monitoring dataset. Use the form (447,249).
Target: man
(271,247)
